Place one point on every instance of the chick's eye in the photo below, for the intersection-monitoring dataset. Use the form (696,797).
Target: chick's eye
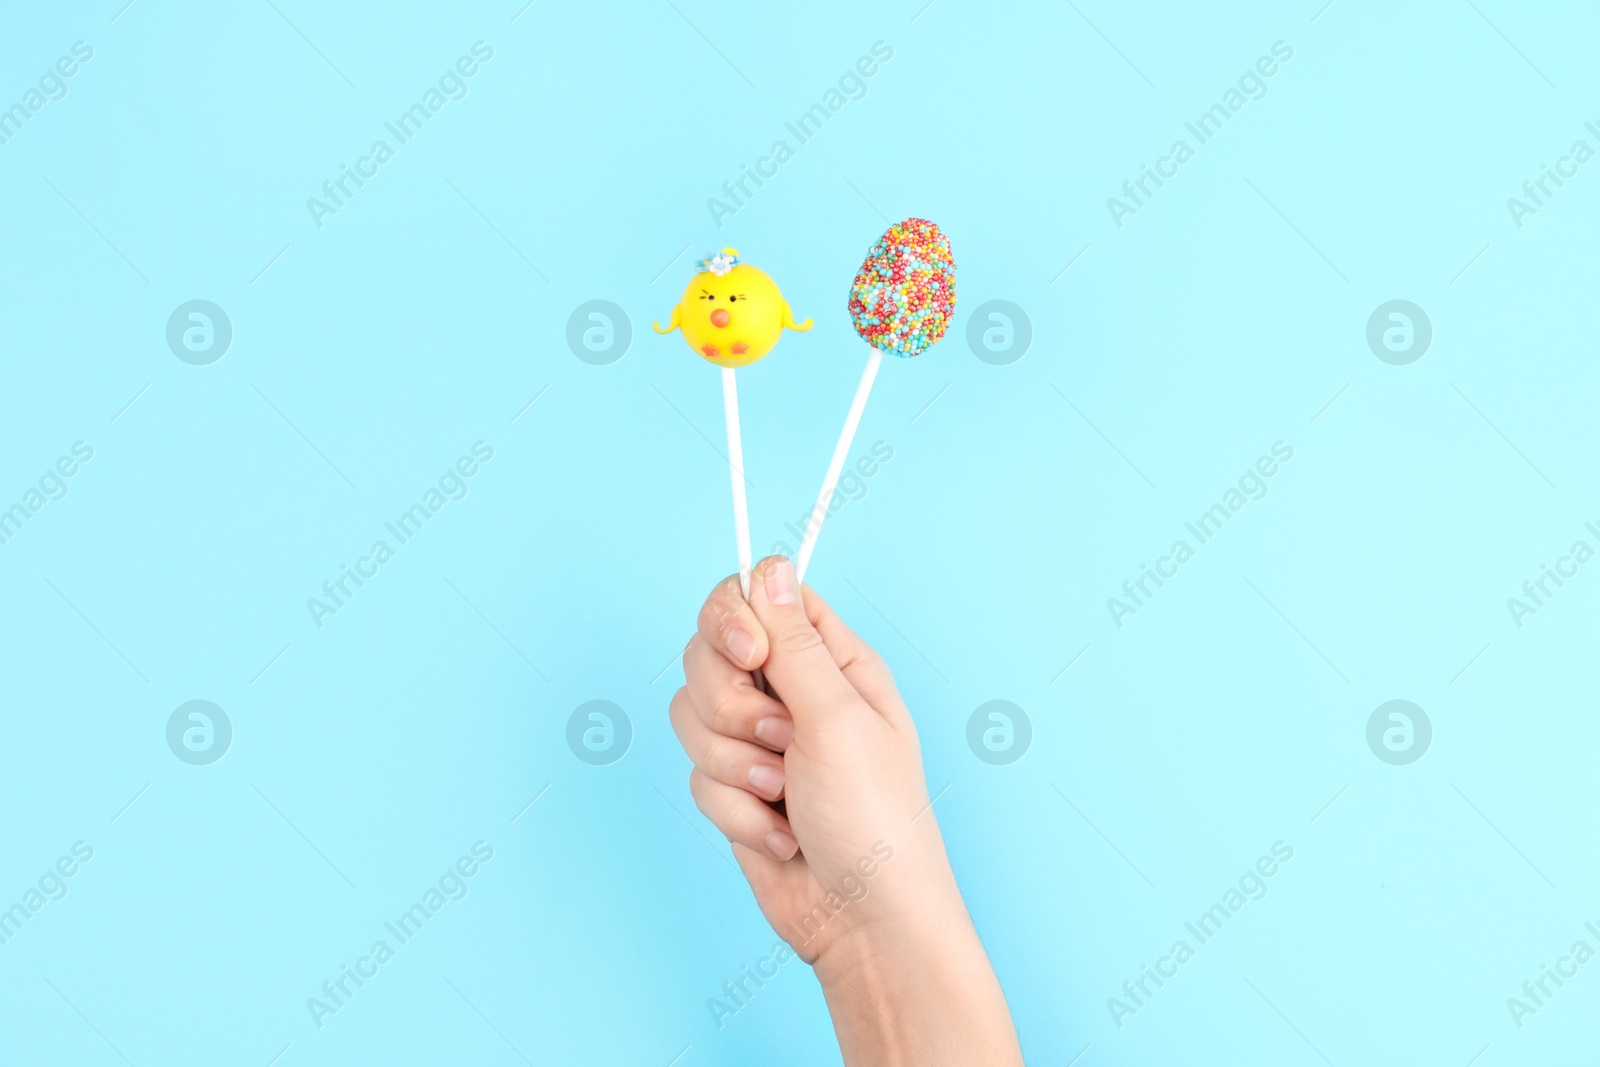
(733,299)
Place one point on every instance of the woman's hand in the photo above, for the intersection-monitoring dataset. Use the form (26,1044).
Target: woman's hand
(819,786)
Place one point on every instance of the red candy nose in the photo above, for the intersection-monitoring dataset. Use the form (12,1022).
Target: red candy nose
(720,317)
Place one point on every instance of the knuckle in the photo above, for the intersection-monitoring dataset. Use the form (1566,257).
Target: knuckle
(796,639)
(877,664)
(701,666)
(726,716)
(716,762)
(679,707)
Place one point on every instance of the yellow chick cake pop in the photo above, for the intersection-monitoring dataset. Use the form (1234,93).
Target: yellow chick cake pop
(732,313)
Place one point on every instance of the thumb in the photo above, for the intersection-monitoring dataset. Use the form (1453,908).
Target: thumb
(799,668)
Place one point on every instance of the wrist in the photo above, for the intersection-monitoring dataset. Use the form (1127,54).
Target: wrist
(897,938)
(916,987)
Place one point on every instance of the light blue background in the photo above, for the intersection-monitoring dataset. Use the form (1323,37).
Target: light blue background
(369,354)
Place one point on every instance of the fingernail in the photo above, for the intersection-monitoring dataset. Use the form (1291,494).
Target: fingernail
(780,582)
(782,845)
(741,646)
(774,732)
(766,780)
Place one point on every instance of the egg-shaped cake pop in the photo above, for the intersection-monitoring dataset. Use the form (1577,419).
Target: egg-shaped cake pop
(904,295)
(731,313)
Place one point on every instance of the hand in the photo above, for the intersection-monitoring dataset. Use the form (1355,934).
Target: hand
(819,786)
(835,744)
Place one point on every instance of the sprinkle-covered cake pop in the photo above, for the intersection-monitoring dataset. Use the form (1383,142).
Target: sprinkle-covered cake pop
(904,295)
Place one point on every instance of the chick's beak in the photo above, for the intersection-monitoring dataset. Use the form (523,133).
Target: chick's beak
(720,317)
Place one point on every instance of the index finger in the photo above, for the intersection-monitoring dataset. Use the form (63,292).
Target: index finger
(730,626)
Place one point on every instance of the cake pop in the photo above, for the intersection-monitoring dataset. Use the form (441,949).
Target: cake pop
(901,302)
(732,314)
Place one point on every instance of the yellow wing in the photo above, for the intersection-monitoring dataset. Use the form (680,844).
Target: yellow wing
(672,323)
(788,320)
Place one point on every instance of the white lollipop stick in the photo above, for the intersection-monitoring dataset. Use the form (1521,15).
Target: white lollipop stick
(830,481)
(741,514)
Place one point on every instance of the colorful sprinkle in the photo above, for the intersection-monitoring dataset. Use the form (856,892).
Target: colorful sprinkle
(904,295)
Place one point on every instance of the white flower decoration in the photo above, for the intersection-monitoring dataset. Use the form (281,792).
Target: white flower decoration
(720,264)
